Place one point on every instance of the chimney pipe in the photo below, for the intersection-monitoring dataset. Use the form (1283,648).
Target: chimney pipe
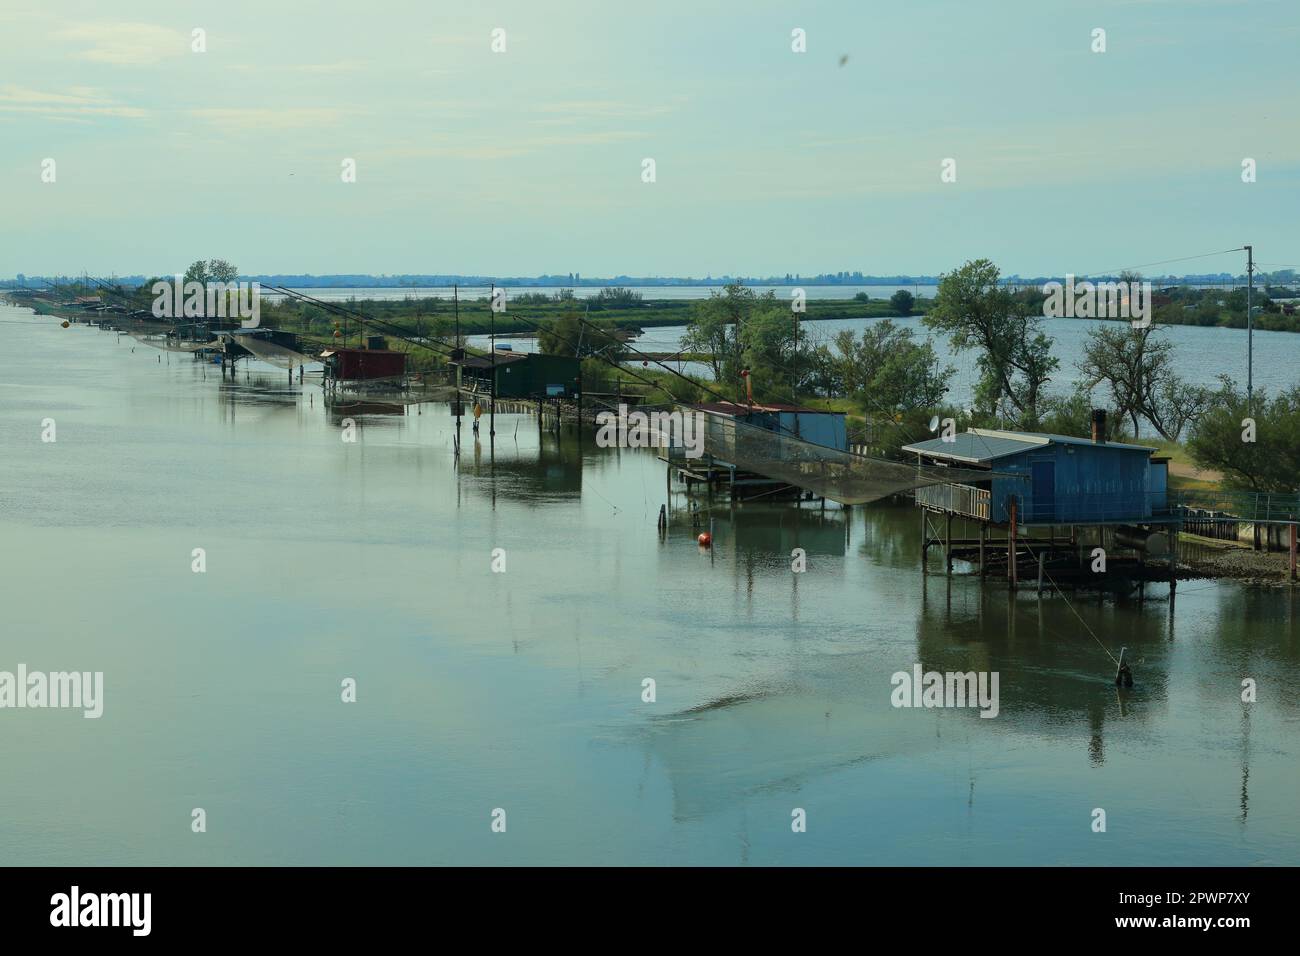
(1099,426)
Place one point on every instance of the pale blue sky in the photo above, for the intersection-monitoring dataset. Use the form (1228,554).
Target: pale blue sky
(529,161)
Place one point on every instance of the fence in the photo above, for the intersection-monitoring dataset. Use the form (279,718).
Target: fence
(959,499)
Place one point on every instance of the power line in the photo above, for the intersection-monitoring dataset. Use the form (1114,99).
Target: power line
(1162,262)
(387,327)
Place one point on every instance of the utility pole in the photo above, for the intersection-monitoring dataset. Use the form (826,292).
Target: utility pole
(1250,329)
(492,338)
(457,352)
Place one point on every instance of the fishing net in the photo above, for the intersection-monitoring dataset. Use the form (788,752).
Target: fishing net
(275,354)
(168,343)
(832,473)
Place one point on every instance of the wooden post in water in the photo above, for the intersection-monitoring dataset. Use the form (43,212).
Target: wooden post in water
(460,363)
(1291,542)
(1041,556)
(492,338)
(925,539)
(1173,559)
(947,546)
(983,533)
(1011,543)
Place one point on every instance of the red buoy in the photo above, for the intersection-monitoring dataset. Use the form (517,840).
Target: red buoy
(705,539)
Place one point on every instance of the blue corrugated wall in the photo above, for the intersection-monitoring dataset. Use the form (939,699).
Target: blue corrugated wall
(1092,483)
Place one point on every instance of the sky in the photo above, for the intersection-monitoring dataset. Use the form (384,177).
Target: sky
(531,160)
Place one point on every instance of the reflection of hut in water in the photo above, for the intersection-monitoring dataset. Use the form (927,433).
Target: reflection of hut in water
(339,411)
(769,529)
(553,470)
(1055,678)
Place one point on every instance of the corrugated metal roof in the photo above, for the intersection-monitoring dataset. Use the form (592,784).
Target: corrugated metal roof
(972,447)
(485,361)
(982,445)
(1073,440)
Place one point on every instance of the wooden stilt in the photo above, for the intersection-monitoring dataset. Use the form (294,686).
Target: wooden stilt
(1291,548)
(1011,544)
(947,546)
(983,533)
(1173,560)
(925,539)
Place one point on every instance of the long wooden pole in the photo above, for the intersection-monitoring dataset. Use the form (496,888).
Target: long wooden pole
(1292,549)
(1011,544)
(947,545)
(492,337)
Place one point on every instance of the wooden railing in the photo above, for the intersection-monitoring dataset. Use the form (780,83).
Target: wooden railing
(959,499)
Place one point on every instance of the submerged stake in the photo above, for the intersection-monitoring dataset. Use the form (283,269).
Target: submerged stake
(1123,676)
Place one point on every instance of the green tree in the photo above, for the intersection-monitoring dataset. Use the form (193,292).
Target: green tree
(569,334)
(219,270)
(1015,356)
(197,272)
(1270,463)
(825,372)
(902,302)
(714,324)
(772,349)
(1137,367)
(887,370)
(615,298)
(1072,415)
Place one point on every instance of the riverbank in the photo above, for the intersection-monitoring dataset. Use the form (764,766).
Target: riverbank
(1229,560)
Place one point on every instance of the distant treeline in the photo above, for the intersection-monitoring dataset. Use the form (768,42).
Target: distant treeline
(575,280)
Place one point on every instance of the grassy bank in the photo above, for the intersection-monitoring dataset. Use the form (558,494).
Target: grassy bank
(438,316)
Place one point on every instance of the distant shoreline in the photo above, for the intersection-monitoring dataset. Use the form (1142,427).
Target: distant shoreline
(847,282)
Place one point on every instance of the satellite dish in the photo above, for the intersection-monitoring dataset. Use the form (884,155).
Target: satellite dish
(934,423)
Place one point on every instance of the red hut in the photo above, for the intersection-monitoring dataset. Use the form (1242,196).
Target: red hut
(363,365)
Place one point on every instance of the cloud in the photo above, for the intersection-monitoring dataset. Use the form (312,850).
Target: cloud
(316,69)
(341,66)
(125,44)
(601,109)
(257,119)
(476,148)
(76,101)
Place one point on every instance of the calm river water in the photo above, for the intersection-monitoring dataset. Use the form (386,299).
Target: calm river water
(523,690)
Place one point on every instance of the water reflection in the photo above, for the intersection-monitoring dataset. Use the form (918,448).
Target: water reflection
(543,469)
